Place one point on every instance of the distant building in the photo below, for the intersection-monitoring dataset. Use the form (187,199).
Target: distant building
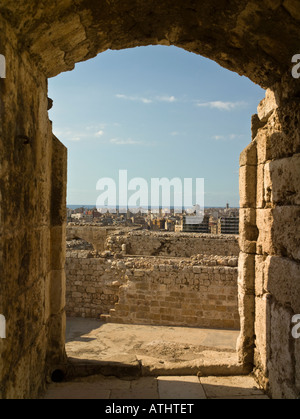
(158,224)
(196,228)
(138,219)
(229,225)
(213,225)
(170,225)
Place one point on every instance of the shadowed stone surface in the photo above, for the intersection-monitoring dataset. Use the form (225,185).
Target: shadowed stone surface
(155,388)
(253,38)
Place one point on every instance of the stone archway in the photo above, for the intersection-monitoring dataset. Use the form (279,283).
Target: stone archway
(242,36)
(253,38)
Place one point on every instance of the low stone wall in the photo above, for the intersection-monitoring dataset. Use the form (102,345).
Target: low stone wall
(94,235)
(90,285)
(173,244)
(198,292)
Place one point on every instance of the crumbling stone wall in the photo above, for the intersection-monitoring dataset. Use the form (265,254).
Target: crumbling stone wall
(173,244)
(190,292)
(92,284)
(32,214)
(269,268)
(94,235)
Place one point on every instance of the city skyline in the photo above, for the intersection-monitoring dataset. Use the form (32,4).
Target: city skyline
(156,112)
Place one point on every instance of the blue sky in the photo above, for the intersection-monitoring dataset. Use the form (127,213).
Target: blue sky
(155,112)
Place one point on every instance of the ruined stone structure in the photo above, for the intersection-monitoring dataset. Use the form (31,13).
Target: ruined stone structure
(172,244)
(143,242)
(162,290)
(95,236)
(254,38)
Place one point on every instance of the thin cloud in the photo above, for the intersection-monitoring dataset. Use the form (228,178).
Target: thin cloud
(147,100)
(99,133)
(169,99)
(83,133)
(229,137)
(67,135)
(177,134)
(219,137)
(222,106)
(134,98)
(120,141)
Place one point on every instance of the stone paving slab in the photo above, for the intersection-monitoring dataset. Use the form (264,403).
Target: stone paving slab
(231,387)
(183,388)
(74,391)
(94,340)
(155,388)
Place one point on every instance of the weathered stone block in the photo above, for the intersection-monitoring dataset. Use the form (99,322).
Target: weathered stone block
(260,189)
(292,7)
(267,106)
(245,344)
(256,124)
(259,275)
(58,183)
(246,273)
(249,155)
(281,363)
(57,291)
(286,231)
(264,222)
(58,247)
(282,280)
(265,148)
(279,231)
(262,332)
(248,230)
(280,137)
(282,181)
(247,182)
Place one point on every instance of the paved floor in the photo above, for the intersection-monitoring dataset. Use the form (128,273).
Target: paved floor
(156,388)
(94,340)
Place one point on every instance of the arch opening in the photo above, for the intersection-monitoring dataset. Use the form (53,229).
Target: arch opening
(221,108)
(253,38)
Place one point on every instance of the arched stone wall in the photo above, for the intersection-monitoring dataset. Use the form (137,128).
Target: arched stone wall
(253,38)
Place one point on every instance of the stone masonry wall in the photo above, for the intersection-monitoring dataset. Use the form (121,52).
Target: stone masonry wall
(173,244)
(191,292)
(92,284)
(269,263)
(32,176)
